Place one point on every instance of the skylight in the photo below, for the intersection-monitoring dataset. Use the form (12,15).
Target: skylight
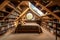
(35,9)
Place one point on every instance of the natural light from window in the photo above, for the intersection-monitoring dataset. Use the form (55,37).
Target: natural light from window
(29,16)
(38,12)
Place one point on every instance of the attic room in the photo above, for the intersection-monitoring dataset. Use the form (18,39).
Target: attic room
(29,20)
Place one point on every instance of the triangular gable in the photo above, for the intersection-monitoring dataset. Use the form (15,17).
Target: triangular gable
(24,12)
(30,11)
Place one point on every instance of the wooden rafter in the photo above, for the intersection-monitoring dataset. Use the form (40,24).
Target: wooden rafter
(40,10)
(23,13)
(36,14)
(14,8)
(44,8)
(11,12)
(46,15)
(56,11)
(4,4)
(51,3)
(19,8)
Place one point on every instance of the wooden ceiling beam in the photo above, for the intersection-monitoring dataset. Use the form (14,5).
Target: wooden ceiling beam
(49,11)
(14,8)
(47,19)
(51,3)
(25,3)
(10,13)
(23,13)
(4,4)
(46,14)
(17,7)
(56,11)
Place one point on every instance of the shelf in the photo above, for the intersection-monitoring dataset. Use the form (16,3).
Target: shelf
(15,14)
(4,13)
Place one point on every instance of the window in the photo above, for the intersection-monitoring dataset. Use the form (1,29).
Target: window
(38,12)
(29,16)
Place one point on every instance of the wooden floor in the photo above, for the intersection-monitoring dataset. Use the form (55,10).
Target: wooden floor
(30,36)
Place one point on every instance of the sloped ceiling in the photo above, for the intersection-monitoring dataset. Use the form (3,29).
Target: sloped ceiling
(56,1)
